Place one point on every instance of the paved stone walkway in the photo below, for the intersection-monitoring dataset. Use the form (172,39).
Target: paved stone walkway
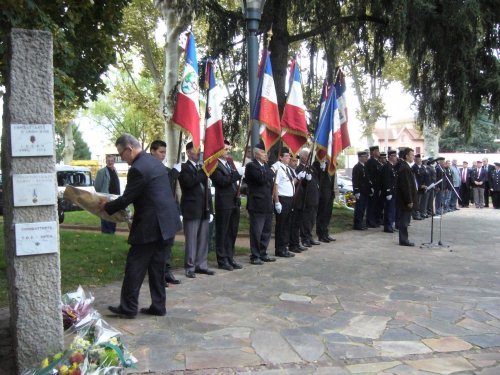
(362,305)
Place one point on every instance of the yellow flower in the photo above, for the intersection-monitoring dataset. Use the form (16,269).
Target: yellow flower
(75,365)
(64,370)
(45,362)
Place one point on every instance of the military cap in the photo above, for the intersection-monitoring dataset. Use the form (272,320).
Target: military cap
(284,151)
(392,152)
(439,158)
(260,146)
(362,153)
(226,142)
(383,155)
(418,156)
(189,146)
(497,164)
(374,148)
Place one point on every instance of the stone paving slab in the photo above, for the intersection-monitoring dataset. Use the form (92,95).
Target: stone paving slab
(360,305)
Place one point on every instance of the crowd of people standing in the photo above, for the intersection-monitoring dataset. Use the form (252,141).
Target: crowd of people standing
(392,189)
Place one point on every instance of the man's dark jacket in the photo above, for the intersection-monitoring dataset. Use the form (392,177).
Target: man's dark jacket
(406,188)
(148,189)
(193,205)
(260,184)
(225,187)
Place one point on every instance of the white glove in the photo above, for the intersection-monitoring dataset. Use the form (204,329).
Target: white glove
(301,175)
(323,165)
(211,218)
(181,217)
(357,195)
(241,171)
(308,177)
(178,167)
(389,197)
(278,207)
(373,191)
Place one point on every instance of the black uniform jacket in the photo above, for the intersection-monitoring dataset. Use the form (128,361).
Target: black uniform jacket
(148,189)
(225,187)
(259,180)
(193,204)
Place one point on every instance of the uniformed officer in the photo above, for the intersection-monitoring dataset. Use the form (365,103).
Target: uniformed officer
(424,194)
(284,190)
(362,189)
(373,171)
(382,159)
(326,197)
(389,177)
(495,186)
(419,178)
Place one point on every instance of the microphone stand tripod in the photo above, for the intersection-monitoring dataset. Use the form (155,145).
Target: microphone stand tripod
(431,244)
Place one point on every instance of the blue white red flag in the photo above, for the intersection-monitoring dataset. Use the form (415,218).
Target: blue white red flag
(293,122)
(323,133)
(266,111)
(336,146)
(340,88)
(214,137)
(187,108)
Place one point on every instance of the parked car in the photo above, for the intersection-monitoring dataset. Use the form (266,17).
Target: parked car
(344,183)
(79,177)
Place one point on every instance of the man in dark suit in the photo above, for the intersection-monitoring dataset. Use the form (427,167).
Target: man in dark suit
(158,149)
(259,178)
(155,223)
(227,209)
(418,172)
(373,171)
(197,213)
(389,179)
(425,194)
(442,189)
(495,186)
(326,198)
(464,185)
(478,177)
(406,195)
(307,199)
(488,168)
(362,189)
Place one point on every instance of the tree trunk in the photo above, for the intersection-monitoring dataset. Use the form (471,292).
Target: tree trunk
(175,24)
(69,144)
(431,137)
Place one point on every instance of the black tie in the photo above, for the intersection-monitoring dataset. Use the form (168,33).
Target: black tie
(228,167)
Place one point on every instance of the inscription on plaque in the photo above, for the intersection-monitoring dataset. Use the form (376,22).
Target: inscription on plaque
(34,189)
(36,238)
(32,140)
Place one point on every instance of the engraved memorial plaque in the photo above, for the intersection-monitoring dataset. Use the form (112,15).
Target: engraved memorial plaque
(32,140)
(36,189)
(36,238)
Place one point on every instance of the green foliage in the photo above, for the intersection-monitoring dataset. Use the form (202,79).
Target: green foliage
(132,107)
(84,33)
(483,135)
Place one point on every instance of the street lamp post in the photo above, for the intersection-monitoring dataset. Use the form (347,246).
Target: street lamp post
(252,11)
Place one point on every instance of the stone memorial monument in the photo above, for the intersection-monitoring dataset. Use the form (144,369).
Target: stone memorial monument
(31,227)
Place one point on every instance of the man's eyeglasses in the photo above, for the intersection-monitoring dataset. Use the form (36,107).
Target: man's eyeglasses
(121,153)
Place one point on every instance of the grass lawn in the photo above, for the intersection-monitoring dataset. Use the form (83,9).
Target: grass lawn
(91,259)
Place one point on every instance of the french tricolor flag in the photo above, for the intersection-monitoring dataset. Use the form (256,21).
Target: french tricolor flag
(186,113)
(293,122)
(214,137)
(266,111)
(323,134)
(341,97)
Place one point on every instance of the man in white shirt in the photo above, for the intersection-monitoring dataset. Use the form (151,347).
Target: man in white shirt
(284,190)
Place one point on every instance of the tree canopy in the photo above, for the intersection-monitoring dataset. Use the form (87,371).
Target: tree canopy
(85,34)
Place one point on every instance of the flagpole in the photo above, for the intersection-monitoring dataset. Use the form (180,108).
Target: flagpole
(206,207)
(177,162)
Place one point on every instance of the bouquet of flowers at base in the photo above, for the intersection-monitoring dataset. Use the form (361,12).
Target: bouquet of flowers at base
(97,349)
(76,308)
(350,199)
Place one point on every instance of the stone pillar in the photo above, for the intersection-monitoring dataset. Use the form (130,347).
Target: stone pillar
(33,280)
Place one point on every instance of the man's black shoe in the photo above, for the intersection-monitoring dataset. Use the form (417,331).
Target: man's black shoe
(302,248)
(148,311)
(190,274)
(268,259)
(295,250)
(371,226)
(331,239)
(324,239)
(169,278)
(417,218)
(256,261)
(205,271)
(119,311)
(290,254)
(306,244)
(283,254)
(226,267)
(312,242)
(389,230)
(359,228)
(235,265)
(406,243)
